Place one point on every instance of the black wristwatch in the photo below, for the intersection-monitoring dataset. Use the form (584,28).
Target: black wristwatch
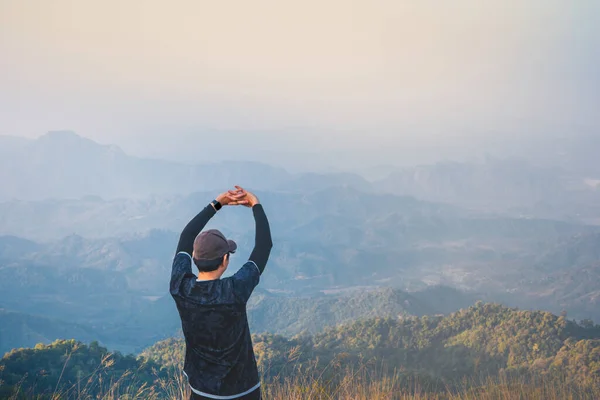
(217,205)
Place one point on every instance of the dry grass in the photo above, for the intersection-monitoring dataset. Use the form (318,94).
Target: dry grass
(343,384)
(360,387)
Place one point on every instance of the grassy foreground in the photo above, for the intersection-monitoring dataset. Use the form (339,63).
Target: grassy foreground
(350,386)
(358,388)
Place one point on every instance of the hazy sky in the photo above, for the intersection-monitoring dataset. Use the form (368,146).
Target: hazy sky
(158,77)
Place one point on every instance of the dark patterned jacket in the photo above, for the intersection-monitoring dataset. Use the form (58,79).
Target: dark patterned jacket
(219,358)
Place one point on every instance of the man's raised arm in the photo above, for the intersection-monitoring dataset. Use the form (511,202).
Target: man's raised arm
(193,228)
(262,242)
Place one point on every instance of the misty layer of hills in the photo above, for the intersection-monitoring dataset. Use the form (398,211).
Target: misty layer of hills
(63,165)
(88,234)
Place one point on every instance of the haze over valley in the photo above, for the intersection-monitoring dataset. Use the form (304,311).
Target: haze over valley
(503,230)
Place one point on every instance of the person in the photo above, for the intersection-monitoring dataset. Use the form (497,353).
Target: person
(219,358)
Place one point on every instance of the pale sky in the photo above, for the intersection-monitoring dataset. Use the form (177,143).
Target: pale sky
(161,77)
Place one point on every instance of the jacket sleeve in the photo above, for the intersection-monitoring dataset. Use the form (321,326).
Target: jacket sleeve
(182,263)
(182,266)
(263,243)
(245,280)
(193,228)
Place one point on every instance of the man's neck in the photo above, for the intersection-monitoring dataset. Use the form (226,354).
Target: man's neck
(209,276)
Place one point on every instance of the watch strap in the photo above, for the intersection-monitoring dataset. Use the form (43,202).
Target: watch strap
(216,204)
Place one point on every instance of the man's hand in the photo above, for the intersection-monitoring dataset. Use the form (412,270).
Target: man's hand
(232,198)
(250,198)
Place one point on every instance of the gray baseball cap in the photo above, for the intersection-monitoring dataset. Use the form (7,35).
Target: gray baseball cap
(209,248)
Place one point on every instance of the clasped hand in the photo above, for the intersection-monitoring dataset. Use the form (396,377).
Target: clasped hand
(238,197)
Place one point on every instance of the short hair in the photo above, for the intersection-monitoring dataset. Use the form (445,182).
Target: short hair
(211,267)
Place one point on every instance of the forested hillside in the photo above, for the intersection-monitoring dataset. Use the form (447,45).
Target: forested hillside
(70,369)
(484,339)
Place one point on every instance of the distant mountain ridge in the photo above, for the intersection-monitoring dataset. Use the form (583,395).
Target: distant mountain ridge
(511,184)
(62,164)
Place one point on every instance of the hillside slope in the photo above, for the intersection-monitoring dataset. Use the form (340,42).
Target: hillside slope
(484,339)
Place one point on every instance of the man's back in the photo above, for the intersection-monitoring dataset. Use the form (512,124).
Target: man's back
(219,356)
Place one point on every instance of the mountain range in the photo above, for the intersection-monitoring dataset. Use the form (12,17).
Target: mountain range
(64,165)
(89,234)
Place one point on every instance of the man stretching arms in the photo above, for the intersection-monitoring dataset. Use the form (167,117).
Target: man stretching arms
(219,359)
